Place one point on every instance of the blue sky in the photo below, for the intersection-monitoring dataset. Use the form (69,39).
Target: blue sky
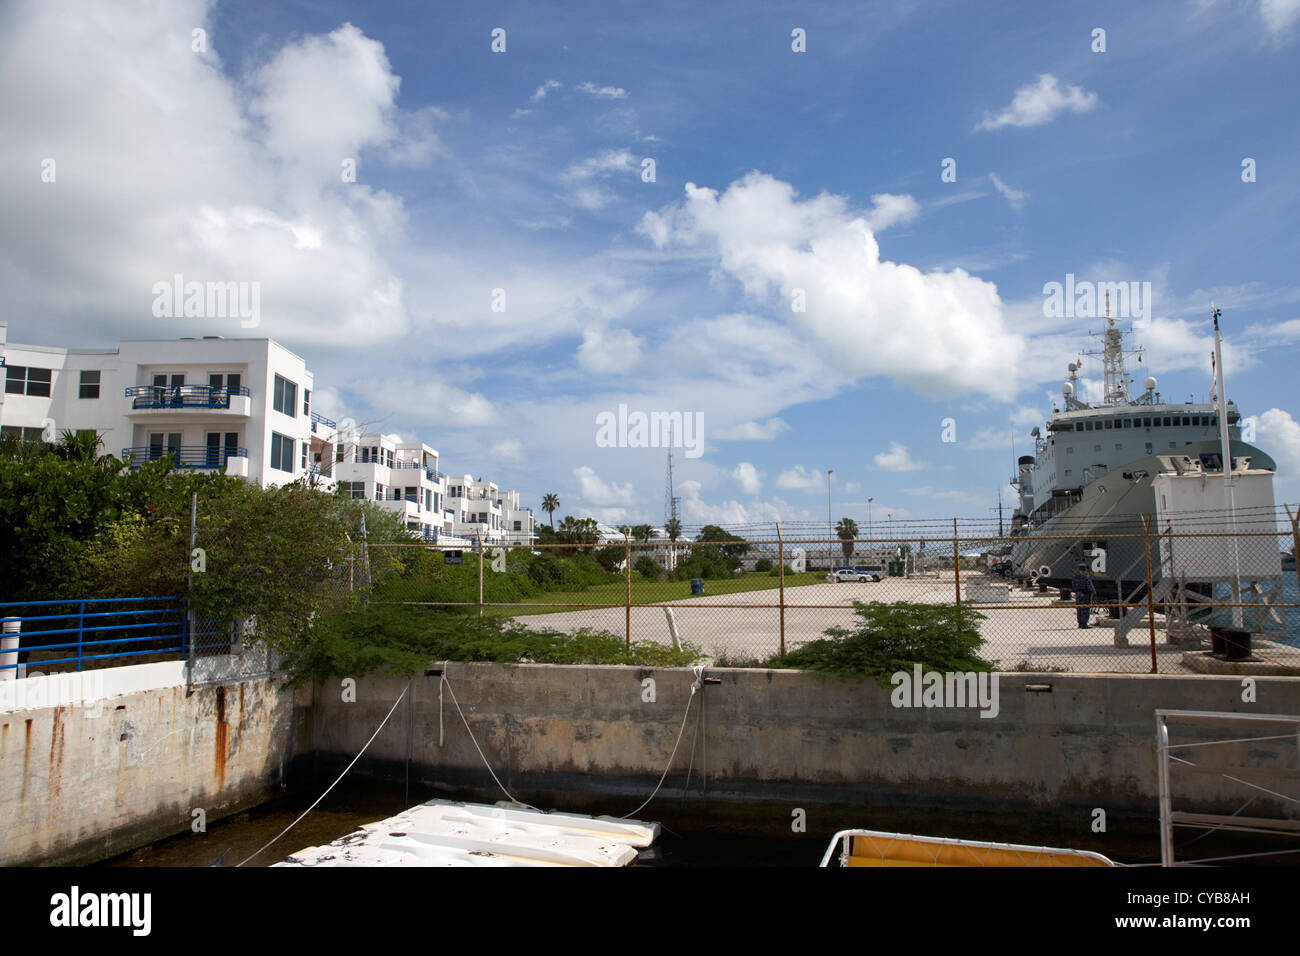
(778,175)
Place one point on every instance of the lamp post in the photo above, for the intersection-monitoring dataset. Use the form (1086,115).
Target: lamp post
(830,528)
(869,500)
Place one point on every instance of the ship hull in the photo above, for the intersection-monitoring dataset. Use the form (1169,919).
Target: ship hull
(1108,517)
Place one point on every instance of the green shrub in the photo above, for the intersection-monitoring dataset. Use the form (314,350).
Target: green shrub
(402,639)
(648,568)
(892,638)
(763,564)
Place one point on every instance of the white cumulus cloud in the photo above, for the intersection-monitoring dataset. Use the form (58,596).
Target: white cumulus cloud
(1040,102)
(938,332)
(747,478)
(595,491)
(897,459)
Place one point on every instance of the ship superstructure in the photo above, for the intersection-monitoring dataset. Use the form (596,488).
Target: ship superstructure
(1092,469)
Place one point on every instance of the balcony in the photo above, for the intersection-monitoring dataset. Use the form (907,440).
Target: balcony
(234,460)
(175,401)
(322,421)
(432,474)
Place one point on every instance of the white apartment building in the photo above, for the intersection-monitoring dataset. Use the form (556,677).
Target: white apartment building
(477,508)
(402,477)
(238,405)
(243,406)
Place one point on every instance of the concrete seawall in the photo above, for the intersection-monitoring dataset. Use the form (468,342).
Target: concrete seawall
(1060,747)
(81,782)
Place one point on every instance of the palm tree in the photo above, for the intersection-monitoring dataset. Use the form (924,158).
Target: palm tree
(847,531)
(674,529)
(550,503)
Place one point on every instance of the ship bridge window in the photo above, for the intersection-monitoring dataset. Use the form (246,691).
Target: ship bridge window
(1088,426)
(1196,420)
(1109,423)
(1167,421)
(1146,423)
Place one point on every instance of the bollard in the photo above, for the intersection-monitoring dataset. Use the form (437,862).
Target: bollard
(12,635)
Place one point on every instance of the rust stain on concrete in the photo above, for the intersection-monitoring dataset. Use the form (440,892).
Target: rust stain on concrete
(27,757)
(222,736)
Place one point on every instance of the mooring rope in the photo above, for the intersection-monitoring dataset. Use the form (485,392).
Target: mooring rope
(698,670)
(340,776)
(695,686)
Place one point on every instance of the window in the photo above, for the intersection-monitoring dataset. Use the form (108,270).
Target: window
(388,454)
(338,453)
(285,399)
(281,452)
(22,380)
(1146,423)
(1109,423)
(304,456)
(1087,426)
(1167,421)
(1173,444)
(517,528)
(25,434)
(306,403)
(353,489)
(1148,448)
(379,492)
(89,384)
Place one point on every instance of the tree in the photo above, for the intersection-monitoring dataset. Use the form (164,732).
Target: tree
(550,504)
(642,532)
(582,534)
(847,532)
(674,529)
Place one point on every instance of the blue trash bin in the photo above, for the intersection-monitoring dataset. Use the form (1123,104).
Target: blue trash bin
(697,585)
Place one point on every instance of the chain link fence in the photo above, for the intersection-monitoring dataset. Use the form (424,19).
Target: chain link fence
(1125,598)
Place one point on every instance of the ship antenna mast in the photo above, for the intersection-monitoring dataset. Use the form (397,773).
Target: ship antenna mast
(1113,361)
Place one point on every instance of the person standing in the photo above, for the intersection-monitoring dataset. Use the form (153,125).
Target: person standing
(1084,594)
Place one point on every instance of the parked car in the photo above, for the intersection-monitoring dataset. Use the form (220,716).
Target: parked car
(876,572)
(841,575)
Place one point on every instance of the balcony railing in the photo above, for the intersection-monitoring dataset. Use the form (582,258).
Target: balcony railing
(321,420)
(184,456)
(432,474)
(183,396)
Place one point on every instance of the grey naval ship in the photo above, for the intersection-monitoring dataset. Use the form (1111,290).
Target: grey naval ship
(1093,472)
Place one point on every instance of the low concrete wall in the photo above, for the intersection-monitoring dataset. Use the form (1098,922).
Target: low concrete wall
(1060,747)
(80,783)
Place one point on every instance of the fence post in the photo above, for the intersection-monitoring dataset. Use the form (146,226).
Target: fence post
(189,628)
(81,633)
(627,575)
(1151,608)
(1295,530)
(479,547)
(956,561)
(780,555)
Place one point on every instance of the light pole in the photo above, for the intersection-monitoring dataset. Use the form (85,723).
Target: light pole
(830,529)
(869,500)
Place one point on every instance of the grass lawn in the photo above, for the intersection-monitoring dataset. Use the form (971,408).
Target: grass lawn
(653,592)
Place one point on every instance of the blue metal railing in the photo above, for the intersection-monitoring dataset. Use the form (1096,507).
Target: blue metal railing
(321,420)
(159,622)
(184,456)
(183,396)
